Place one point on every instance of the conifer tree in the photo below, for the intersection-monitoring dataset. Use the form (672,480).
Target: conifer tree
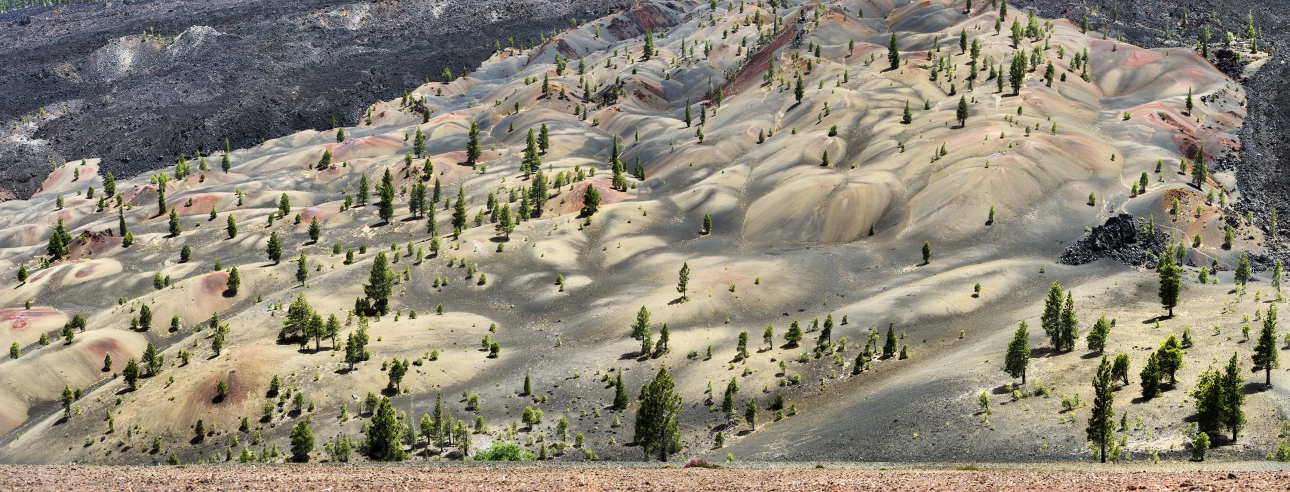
(1170,280)
(1069,324)
(1101,424)
(1051,319)
(22,272)
(1097,335)
(231,229)
(908,116)
(175,228)
(793,335)
(590,201)
(641,324)
(962,114)
(1265,356)
(893,53)
(225,165)
(302,442)
(60,242)
(927,252)
(1242,273)
(385,434)
(459,212)
(302,269)
(1170,358)
(620,393)
(657,419)
(889,348)
(386,190)
(1150,376)
(109,186)
(544,138)
(1017,72)
(363,190)
(683,281)
(380,283)
(1018,356)
(274,248)
(472,147)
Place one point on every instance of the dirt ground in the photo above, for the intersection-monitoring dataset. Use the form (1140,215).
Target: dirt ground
(534,478)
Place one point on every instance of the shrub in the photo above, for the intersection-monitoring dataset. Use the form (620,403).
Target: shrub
(504,451)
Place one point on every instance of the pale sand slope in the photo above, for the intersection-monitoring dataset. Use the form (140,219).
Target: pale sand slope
(790,242)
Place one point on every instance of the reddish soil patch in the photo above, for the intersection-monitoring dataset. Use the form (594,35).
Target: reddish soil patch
(103,346)
(322,212)
(87,243)
(201,204)
(215,283)
(20,317)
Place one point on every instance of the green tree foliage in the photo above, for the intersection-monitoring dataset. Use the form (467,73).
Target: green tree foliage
(232,227)
(131,374)
(893,53)
(1242,273)
(1219,396)
(927,252)
(302,442)
(620,393)
(386,191)
(1170,357)
(889,348)
(380,283)
(473,150)
(799,90)
(60,242)
(962,114)
(683,281)
(590,201)
(1120,369)
(302,269)
(1051,319)
(657,419)
(793,335)
(908,116)
(1265,356)
(362,190)
(1151,376)
(1101,424)
(274,248)
(1170,280)
(385,434)
(234,281)
(1017,71)
(315,230)
(1018,356)
(1097,335)
(459,215)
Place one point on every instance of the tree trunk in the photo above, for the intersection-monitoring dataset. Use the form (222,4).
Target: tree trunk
(1104,449)
(1267,371)
(1023,377)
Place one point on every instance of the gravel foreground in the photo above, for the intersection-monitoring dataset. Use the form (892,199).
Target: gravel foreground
(323,477)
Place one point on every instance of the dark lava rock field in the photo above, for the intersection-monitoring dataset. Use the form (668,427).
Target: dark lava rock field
(237,69)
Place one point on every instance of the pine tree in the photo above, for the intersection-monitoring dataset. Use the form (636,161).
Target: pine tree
(590,201)
(380,283)
(1097,336)
(234,281)
(1170,358)
(1120,369)
(232,227)
(472,147)
(284,206)
(386,190)
(683,281)
(799,90)
(1069,324)
(1242,273)
(962,114)
(68,398)
(1017,72)
(385,434)
(641,324)
(1170,280)
(1018,356)
(908,116)
(544,138)
(1265,356)
(658,417)
(302,269)
(1050,320)
(1101,424)
(274,248)
(22,272)
(302,442)
(1190,105)
(459,212)
(363,190)
(793,335)
(889,348)
(225,165)
(1150,376)
(927,252)
(893,52)
(315,230)
(59,246)
(620,393)
(109,186)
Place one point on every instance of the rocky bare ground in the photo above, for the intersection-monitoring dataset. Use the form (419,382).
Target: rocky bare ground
(233,69)
(561,478)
